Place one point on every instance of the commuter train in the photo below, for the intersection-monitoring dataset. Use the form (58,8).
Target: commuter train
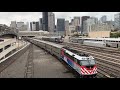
(82,63)
(56,39)
(98,42)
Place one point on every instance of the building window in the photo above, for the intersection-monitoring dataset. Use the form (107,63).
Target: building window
(1,50)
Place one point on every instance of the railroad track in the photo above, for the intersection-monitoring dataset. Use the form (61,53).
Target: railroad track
(29,72)
(110,50)
(108,63)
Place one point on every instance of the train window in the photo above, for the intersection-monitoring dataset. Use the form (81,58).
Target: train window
(2,58)
(1,50)
(84,62)
(75,60)
(92,62)
(69,56)
(7,46)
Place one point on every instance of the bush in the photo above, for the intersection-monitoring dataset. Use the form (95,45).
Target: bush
(114,35)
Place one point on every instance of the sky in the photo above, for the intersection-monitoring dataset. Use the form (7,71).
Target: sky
(7,17)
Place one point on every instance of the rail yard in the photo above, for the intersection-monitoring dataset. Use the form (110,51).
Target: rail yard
(34,63)
(41,61)
(108,60)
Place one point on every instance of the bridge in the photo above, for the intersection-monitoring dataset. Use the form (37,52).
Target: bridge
(33,33)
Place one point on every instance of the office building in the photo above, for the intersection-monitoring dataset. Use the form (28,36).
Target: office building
(40,24)
(37,26)
(117,21)
(51,22)
(88,23)
(83,18)
(45,21)
(61,26)
(103,19)
(13,24)
(67,28)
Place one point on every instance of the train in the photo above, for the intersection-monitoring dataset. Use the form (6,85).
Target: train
(98,42)
(82,63)
(56,39)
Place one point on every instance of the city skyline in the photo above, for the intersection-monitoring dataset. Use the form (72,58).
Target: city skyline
(7,17)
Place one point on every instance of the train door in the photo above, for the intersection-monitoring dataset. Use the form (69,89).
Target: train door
(77,66)
(62,53)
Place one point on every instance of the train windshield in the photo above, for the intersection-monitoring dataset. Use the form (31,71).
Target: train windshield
(87,62)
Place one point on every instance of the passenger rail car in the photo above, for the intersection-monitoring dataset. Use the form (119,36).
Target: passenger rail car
(104,42)
(80,62)
(53,39)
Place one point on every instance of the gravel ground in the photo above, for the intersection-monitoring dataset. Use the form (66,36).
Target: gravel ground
(44,66)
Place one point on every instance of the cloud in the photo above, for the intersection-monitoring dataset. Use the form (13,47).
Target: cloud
(7,17)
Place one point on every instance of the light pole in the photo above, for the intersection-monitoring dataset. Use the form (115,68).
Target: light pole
(18,36)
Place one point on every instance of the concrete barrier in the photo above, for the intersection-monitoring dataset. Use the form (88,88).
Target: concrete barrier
(16,55)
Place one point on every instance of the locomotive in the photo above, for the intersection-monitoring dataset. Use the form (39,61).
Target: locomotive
(82,63)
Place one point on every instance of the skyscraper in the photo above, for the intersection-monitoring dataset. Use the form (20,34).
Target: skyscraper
(89,22)
(45,21)
(67,28)
(51,22)
(13,24)
(61,26)
(83,18)
(117,20)
(48,21)
(103,19)
(37,26)
(30,26)
(28,29)
(34,26)
(40,24)
(77,23)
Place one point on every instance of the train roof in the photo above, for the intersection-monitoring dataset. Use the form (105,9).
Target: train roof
(76,52)
(109,39)
(97,42)
(50,43)
(78,55)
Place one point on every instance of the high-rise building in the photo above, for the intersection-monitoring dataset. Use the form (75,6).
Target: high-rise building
(37,26)
(61,26)
(13,24)
(40,24)
(28,29)
(83,18)
(45,21)
(72,22)
(20,26)
(66,27)
(48,21)
(103,19)
(76,21)
(34,26)
(51,22)
(30,26)
(88,23)
(117,20)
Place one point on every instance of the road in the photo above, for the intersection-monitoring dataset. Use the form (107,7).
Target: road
(36,63)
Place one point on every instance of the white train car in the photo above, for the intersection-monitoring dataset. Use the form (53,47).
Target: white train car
(94,43)
(99,42)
